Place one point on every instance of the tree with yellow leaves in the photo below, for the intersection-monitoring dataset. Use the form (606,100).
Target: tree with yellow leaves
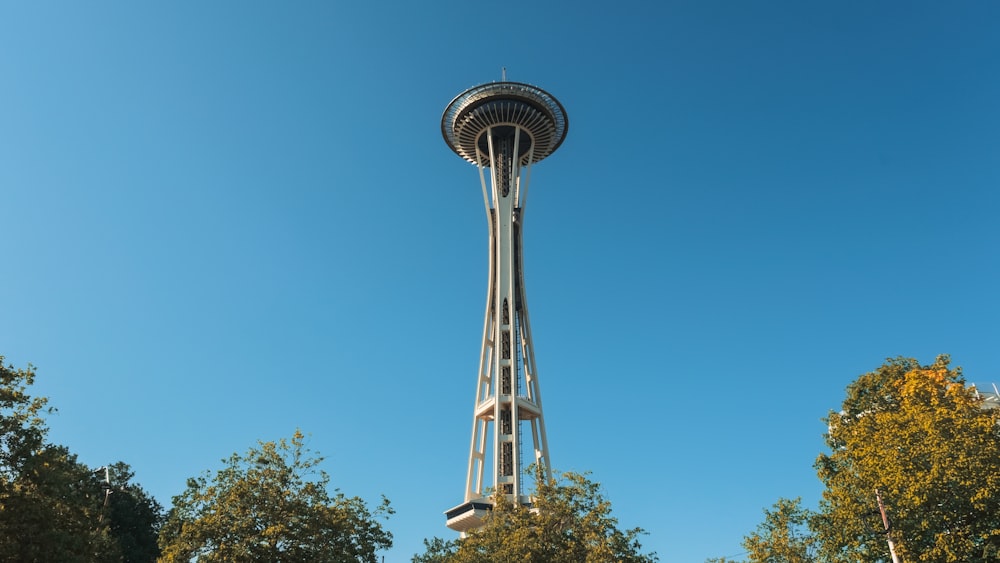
(921,437)
(924,440)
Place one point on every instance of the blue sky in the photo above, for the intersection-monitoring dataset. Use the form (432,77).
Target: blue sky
(227,220)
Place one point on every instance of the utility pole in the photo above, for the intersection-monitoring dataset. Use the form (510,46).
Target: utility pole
(106,486)
(888,533)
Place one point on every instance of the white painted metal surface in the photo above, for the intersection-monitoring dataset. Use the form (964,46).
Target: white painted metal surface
(504,128)
(990,395)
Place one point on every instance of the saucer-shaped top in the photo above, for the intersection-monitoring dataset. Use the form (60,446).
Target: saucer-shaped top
(505,107)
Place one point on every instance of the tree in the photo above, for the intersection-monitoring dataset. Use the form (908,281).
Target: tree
(920,436)
(132,516)
(22,429)
(51,512)
(52,507)
(569,521)
(49,502)
(437,550)
(271,504)
(783,537)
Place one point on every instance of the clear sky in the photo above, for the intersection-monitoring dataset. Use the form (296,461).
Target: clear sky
(224,220)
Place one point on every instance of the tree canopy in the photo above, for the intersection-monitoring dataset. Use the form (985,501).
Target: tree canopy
(922,438)
(271,504)
(52,507)
(569,521)
(133,516)
(783,536)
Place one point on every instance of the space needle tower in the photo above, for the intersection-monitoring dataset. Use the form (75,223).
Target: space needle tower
(503,128)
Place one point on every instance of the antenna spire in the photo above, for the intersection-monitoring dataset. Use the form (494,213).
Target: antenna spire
(503,74)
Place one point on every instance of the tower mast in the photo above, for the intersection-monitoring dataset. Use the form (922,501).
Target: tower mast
(503,127)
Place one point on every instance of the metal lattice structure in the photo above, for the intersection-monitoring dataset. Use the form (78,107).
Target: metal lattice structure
(503,127)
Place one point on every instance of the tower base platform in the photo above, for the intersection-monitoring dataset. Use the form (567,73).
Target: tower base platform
(472,514)
(469,515)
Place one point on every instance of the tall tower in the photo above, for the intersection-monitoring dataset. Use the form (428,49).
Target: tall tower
(504,127)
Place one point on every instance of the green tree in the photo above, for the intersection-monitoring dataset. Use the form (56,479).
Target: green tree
(22,429)
(920,436)
(570,521)
(133,517)
(271,504)
(437,550)
(783,537)
(51,512)
(50,503)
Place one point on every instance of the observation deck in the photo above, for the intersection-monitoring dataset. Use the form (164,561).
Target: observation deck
(504,105)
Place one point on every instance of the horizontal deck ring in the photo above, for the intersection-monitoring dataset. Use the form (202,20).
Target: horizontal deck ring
(467,118)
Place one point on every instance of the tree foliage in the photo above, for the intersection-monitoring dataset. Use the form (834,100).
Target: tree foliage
(570,521)
(22,429)
(783,536)
(133,517)
(51,511)
(48,502)
(920,436)
(271,504)
(51,505)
